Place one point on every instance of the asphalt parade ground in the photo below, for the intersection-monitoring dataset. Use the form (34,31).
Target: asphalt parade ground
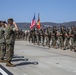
(38,60)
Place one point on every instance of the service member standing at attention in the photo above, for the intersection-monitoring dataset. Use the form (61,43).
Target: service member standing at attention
(2,42)
(10,41)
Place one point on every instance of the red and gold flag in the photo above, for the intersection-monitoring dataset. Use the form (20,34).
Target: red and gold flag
(38,22)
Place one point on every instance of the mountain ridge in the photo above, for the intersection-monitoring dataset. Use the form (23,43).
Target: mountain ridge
(26,25)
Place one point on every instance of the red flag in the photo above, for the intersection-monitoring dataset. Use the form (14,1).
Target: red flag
(38,22)
(33,23)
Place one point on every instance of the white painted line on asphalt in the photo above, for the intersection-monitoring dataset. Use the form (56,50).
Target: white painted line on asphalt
(3,72)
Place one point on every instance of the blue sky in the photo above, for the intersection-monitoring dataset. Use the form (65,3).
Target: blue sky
(50,10)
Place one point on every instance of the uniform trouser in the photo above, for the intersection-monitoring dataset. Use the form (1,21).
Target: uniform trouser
(9,51)
(2,51)
(61,42)
(30,39)
(53,41)
(38,39)
(34,38)
(43,39)
(73,46)
(71,41)
(48,40)
(66,42)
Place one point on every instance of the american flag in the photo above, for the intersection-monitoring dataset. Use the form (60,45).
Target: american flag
(33,23)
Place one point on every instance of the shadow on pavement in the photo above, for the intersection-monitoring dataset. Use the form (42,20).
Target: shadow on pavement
(27,63)
(18,56)
(14,60)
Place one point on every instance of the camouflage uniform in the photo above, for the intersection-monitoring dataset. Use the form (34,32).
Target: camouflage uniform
(48,37)
(62,38)
(73,46)
(54,38)
(30,36)
(43,36)
(2,43)
(10,41)
(75,39)
(34,36)
(59,39)
(66,41)
(38,37)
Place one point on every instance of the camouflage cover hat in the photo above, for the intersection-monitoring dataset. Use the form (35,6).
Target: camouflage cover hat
(11,19)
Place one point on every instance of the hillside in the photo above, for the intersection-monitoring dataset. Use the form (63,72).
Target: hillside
(25,26)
